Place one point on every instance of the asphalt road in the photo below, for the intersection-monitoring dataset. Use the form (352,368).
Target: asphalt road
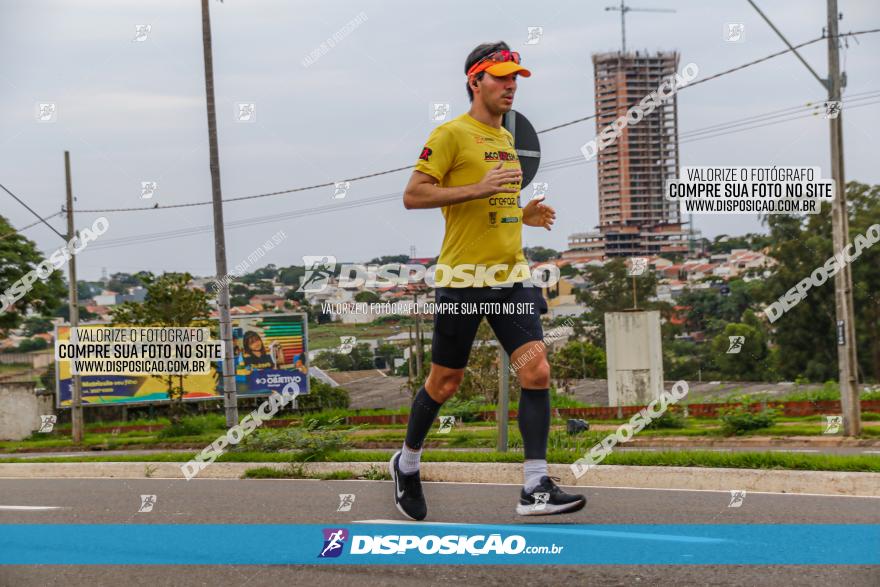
(204,501)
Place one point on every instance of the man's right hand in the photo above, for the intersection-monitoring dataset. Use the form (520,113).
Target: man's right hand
(497,180)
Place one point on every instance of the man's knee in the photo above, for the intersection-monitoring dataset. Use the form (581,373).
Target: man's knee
(535,374)
(442,386)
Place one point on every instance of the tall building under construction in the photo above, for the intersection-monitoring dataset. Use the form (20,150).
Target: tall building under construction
(634,217)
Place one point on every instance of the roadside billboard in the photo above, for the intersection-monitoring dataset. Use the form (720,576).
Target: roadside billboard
(270,350)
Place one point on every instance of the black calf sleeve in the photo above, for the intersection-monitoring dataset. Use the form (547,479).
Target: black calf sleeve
(534,422)
(421,418)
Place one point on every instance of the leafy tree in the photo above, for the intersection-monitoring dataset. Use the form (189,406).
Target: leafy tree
(611,291)
(578,360)
(85,290)
(539,254)
(239,300)
(267,272)
(169,303)
(367,297)
(360,357)
(37,325)
(752,241)
(386,259)
(709,310)
(239,289)
(18,256)
(84,315)
(806,334)
(750,363)
(120,282)
(291,275)
(32,344)
(389,352)
(295,295)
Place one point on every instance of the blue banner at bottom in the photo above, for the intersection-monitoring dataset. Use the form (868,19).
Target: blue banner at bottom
(475,544)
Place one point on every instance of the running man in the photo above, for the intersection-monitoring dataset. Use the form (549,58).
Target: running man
(470,169)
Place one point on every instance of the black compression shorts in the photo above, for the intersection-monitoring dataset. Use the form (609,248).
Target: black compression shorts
(514,313)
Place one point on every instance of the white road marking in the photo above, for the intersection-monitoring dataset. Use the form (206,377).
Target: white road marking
(30,507)
(794,450)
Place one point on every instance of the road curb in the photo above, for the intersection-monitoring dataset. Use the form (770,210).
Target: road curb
(692,478)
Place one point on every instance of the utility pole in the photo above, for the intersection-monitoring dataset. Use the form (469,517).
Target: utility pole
(623,8)
(502,409)
(419,345)
(76,414)
(847,361)
(843,300)
(230,401)
(411,359)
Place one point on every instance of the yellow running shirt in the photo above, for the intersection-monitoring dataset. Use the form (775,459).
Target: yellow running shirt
(482,232)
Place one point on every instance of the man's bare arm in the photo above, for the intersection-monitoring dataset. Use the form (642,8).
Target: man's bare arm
(423,190)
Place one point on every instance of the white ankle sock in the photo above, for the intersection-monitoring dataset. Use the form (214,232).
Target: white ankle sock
(533,470)
(408,463)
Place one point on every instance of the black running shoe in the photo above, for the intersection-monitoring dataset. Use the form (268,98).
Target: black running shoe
(547,499)
(408,496)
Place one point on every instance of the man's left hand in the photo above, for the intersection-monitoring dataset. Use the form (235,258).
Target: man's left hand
(538,214)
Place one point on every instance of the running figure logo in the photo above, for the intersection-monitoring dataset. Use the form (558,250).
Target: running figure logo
(446,424)
(637,266)
(540,501)
(439,111)
(346,500)
(340,189)
(319,270)
(47,423)
(147,503)
(832,424)
(347,344)
(535,34)
(734,32)
(334,540)
(148,189)
(736,498)
(141,32)
(736,344)
(832,109)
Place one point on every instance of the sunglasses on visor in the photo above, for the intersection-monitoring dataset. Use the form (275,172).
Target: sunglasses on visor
(497,57)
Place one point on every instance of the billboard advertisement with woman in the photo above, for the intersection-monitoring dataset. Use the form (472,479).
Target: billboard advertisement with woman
(270,351)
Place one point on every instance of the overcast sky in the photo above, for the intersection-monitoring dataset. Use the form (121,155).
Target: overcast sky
(133,111)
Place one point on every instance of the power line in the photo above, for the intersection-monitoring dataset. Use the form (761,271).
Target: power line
(31,210)
(16,231)
(562,163)
(813,108)
(557,164)
(772,55)
(395,170)
(550,166)
(769,123)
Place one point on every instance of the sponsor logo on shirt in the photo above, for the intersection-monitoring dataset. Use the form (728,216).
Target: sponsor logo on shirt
(426,152)
(499,156)
(504,201)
